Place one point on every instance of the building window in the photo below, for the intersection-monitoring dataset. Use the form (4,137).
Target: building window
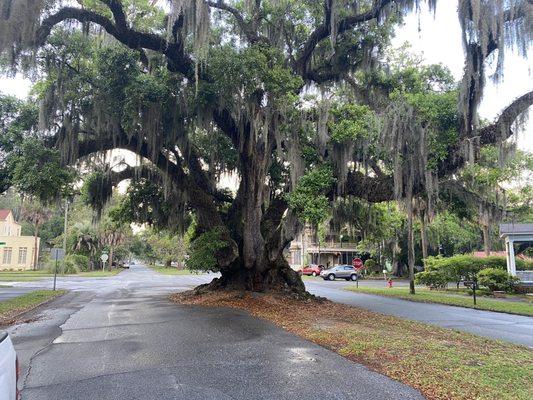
(6,259)
(297,257)
(23,252)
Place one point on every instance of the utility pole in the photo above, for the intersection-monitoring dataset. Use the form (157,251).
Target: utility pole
(65,228)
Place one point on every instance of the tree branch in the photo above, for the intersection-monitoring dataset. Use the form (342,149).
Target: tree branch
(501,129)
(247,28)
(178,61)
(372,189)
(324,30)
(380,188)
(118,13)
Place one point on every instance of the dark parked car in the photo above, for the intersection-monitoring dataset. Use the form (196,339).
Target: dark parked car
(312,270)
(340,271)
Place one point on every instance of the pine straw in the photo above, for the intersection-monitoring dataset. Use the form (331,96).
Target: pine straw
(441,363)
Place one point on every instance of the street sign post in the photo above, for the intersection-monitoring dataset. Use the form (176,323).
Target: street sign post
(472,285)
(57,254)
(357,263)
(104,257)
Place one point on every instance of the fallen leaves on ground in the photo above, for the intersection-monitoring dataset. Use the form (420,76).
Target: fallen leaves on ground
(12,309)
(441,363)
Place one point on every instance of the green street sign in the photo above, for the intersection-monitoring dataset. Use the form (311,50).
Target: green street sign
(2,244)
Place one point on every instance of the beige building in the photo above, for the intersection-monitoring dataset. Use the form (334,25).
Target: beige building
(16,251)
(305,250)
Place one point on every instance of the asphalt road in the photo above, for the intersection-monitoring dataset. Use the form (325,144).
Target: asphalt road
(120,338)
(512,328)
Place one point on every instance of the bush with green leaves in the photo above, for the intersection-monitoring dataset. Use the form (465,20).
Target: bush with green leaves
(202,253)
(371,265)
(464,264)
(432,279)
(70,265)
(80,261)
(441,270)
(524,265)
(496,279)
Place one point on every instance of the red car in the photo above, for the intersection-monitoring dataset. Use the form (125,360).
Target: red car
(313,270)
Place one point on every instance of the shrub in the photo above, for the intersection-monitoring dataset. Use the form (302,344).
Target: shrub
(463,266)
(71,264)
(432,279)
(203,250)
(79,260)
(524,265)
(496,279)
(371,265)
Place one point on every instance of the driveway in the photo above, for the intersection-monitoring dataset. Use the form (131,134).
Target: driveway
(124,340)
(512,328)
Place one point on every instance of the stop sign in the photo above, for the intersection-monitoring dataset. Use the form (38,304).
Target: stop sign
(357,263)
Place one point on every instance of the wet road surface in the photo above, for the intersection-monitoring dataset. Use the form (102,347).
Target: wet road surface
(120,338)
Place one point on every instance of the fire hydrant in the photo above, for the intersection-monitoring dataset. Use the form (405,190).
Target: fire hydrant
(389,283)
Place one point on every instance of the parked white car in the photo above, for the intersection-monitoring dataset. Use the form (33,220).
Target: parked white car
(9,369)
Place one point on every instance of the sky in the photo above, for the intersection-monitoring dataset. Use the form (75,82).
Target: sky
(438,39)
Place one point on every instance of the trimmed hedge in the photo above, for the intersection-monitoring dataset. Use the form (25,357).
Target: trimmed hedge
(465,262)
(441,270)
(496,279)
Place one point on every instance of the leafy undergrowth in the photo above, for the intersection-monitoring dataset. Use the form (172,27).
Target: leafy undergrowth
(11,308)
(455,299)
(441,363)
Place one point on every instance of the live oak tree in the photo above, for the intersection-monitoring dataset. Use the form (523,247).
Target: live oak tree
(270,91)
(483,187)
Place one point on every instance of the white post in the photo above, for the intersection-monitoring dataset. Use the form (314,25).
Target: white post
(511,266)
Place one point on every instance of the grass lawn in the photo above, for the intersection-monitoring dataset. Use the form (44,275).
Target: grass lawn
(99,273)
(441,363)
(172,271)
(23,276)
(27,276)
(455,299)
(12,307)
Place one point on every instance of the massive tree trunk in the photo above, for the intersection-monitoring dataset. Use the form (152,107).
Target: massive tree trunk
(411,252)
(423,234)
(111,256)
(275,276)
(262,269)
(486,239)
